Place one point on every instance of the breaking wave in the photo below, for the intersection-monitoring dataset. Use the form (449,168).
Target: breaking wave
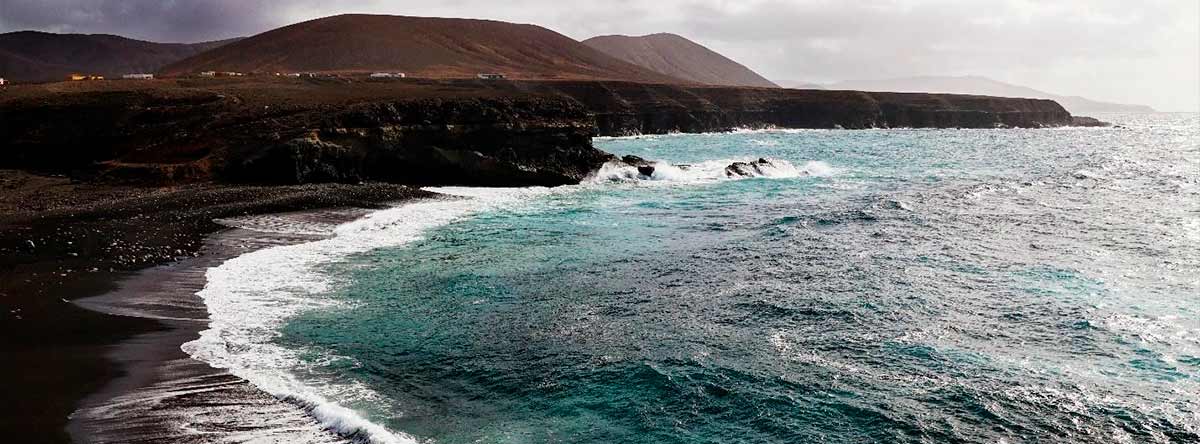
(251,296)
(709,171)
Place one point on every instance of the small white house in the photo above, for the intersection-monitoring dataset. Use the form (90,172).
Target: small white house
(388,75)
(138,77)
(491,76)
(3,82)
(208,74)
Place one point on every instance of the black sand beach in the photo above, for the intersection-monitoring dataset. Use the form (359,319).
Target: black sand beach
(62,241)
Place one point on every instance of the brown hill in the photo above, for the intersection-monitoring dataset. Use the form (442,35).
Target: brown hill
(417,46)
(679,57)
(31,56)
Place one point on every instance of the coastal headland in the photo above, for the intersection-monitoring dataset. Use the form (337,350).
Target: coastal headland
(105,178)
(424,132)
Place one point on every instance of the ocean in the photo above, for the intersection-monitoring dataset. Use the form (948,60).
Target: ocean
(899,286)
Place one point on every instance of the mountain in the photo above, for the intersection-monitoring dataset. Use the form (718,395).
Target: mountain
(798,84)
(31,56)
(678,57)
(987,87)
(417,46)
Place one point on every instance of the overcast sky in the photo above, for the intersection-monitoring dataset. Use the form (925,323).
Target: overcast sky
(1144,52)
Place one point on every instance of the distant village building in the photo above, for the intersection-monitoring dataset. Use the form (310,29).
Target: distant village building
(3,82)
(82,77)
(388,75)
(138,77)
(232,74)
(208,74)
(491,76)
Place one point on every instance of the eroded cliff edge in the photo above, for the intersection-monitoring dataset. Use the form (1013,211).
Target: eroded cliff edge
(421,132)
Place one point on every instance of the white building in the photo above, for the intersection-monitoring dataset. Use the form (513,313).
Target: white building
(208,74)
(138,77)
(3,82)
(388,75)
(490,76)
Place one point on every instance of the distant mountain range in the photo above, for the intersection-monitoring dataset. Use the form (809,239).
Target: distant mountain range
(448,48)
(417,46)
(983,86)
(799,84)
(31,56)
(678,57)
(357,43)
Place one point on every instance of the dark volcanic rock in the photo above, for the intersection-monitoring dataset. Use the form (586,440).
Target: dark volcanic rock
(1088,122)
(425,132)
(644,167)
(747,169)
(628,108)
(465,142)
(151,139)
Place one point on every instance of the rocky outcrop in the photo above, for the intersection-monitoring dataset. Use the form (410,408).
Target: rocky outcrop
(625,109)
(643,166)
(748,169)
(498,142)
(423,132)
(148,138)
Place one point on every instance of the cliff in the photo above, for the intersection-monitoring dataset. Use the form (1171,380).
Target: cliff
(420,132)
(624,108)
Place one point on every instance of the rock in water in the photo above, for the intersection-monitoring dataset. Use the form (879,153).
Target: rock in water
(644,167)
(747,169)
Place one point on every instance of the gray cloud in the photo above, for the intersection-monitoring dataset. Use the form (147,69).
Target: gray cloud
(1104,49)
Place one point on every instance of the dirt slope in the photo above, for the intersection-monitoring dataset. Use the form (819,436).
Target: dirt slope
(679,57)
(419,47)
(31,56)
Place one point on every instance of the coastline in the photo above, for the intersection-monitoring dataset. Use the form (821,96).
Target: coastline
(195,379)
(62,240)
(166,395)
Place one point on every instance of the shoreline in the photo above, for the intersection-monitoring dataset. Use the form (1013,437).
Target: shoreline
(63,240)
(165,394)
(188,382)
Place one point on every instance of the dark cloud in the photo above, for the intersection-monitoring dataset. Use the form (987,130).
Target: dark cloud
(157,20)
(1106,49)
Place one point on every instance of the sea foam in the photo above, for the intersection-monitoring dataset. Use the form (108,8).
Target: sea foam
(251,296)
(708,171)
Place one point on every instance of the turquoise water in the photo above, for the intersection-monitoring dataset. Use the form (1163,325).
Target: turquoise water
(907,286)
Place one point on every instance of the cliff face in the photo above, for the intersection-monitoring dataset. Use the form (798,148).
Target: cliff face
(428,133)
(146,137)
(493,142)
(623,108)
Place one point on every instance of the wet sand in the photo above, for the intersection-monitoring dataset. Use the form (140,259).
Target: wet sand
(165,395)
(62,241)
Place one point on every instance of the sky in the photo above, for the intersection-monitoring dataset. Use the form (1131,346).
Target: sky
(1140,52)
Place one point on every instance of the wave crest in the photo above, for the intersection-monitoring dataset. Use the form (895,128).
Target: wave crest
(708,171)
